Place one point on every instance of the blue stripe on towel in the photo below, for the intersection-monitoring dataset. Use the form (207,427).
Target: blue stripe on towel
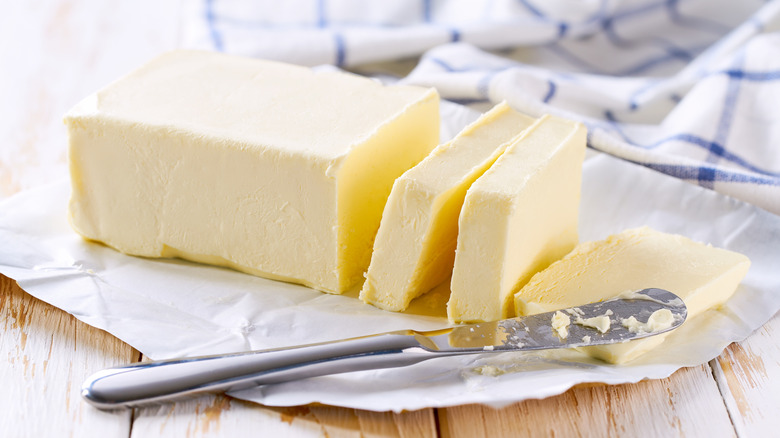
(712,147)
(341,54)
(708,173)
(754,76)
(216,37)
(550,91)
(322,20)
(426,10)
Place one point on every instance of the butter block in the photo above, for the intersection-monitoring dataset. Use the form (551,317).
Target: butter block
(517,218)
(703,276)
(415,247)
(268,168)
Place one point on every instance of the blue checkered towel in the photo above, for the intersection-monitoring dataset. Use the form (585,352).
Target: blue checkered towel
(690,88)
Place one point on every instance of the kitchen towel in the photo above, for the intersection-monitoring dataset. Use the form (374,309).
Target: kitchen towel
(690,88)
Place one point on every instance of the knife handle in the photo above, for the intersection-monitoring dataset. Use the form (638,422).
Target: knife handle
(159,381)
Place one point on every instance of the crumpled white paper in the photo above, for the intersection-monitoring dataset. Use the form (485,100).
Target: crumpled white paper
(171,308)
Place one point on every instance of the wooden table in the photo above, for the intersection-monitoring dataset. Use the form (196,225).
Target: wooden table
(53,53)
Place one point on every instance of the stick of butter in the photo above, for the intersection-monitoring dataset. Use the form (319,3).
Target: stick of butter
(519,217)
(264,167)
(703,276)
(415,247)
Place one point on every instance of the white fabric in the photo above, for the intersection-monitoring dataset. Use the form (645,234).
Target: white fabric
(690,88)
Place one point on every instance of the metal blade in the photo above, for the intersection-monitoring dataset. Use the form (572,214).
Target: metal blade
(535,332)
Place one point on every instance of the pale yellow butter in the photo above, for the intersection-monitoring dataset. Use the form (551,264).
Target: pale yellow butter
(602,323)
(560,324)
(659,320)
(268,168)
(519,217)
(703,276)
(415,247)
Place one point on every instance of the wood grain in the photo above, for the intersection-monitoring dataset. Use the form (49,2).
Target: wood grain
(46,355)
(686,404)
(222,416)
(749,377)
(217,416)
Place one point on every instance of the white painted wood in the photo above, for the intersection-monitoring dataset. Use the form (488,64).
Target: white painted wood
(45,355)
(686,404)
(53,54)
(748,374)
(335,421)
(222,416)
(217,416)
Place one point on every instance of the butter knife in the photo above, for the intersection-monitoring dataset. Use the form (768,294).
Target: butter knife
(161,381)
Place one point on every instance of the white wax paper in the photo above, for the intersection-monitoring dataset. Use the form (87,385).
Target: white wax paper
(171,308)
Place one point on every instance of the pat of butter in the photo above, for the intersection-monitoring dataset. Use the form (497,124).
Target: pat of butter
(264,167)
(519,217)
(415,246)
(640,258)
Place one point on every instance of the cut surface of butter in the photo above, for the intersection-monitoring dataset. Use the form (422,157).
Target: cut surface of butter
(519,217)
(264,167)
(414,249)
(635,259)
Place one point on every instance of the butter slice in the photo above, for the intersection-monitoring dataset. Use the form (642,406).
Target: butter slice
(519,217)
(703,276)
(264,167)
(415,247)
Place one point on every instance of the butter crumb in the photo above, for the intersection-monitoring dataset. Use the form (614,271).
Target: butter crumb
(489,370)
(560,323)
(601,323)
(659,320)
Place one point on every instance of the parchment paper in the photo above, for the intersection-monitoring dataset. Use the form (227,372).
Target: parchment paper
(172,308)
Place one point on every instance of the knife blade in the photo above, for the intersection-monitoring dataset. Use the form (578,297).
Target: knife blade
(161,381)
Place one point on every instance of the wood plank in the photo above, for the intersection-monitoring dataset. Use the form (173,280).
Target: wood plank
(686,404)
(749,377)
(217,416)
(46,355)
(55,53)
(361,423)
